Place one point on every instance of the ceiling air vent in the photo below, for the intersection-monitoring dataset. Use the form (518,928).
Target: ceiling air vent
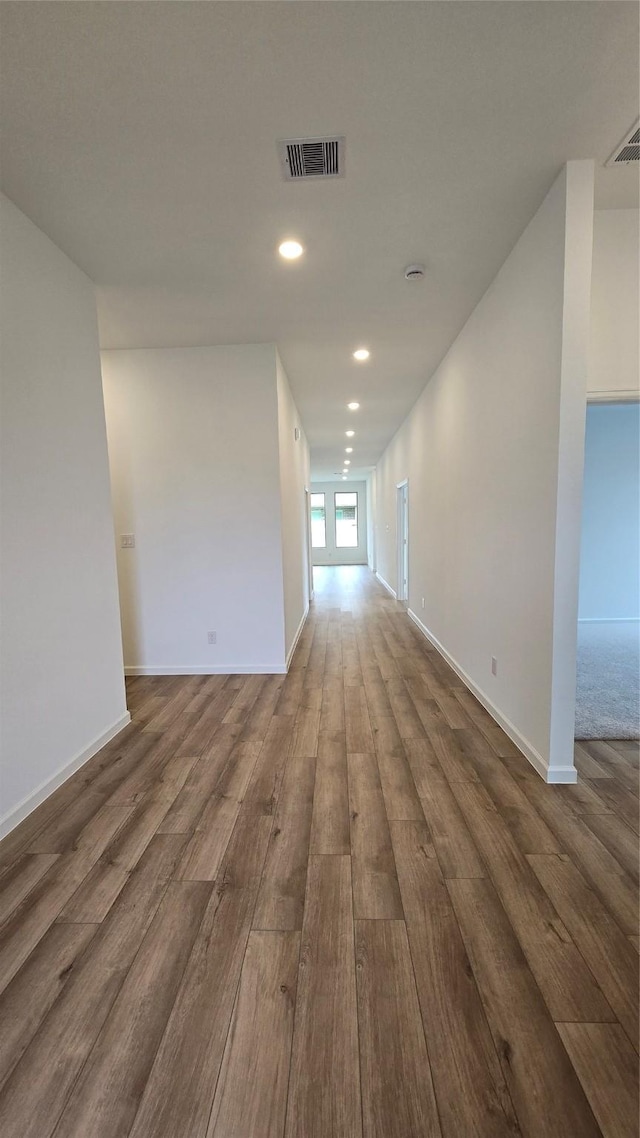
(311,158)
(628,150)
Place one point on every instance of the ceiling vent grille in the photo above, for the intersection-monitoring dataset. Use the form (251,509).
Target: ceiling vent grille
(628,150)
(311,158)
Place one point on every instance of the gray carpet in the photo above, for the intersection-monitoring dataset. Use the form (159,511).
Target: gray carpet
(608,693)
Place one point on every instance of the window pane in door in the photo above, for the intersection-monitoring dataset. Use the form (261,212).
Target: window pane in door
(318,522)
(346,520)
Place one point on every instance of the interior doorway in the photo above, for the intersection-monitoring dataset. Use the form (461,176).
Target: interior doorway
(339,522)
(608,648)
(402,591)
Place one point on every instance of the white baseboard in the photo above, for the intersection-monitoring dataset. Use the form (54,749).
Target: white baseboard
(18,813)
(609,620)
(387,586)
(558,776)
(297,637)
(208,670)
(549,774)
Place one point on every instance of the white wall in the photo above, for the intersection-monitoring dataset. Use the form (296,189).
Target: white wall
(62,689)
(331,554)
(294,481)
(493,454)
(610,552)
(193,447)
(614,363)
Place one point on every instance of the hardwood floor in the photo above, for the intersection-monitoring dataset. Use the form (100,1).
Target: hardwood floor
(336,904)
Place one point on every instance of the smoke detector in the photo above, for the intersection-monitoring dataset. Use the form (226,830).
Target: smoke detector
(311,158)
(628,150)
(414,272)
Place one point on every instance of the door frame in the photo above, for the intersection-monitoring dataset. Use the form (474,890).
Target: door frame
(402,540)
(331,554)
(307,516)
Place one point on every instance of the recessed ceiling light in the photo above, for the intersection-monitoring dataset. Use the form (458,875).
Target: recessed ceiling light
(344,478)
(348,450)
(353,406)
(361,354)
(290,250)
(347,462)
(349,434)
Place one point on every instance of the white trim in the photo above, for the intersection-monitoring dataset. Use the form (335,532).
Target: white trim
(331,564)
(402,540)
(609,620)
(387,586)
(13,817)
(297,637)
(206,670)
(307,532)
(549,774)
(613,396)
(560,776)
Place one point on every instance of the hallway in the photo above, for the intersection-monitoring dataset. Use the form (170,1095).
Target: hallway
(336,904)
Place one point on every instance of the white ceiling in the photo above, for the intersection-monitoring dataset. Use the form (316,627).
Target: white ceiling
(141,138)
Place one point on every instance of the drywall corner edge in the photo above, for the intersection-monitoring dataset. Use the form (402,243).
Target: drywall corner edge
(18,813)
(576,314)
(548,774)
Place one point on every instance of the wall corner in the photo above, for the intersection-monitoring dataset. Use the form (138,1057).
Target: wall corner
(576,314)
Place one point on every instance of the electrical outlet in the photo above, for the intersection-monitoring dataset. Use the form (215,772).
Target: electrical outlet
(494,666)
(127,541)
(212,637)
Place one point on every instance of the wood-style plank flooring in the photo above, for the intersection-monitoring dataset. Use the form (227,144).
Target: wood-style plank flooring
(336,904)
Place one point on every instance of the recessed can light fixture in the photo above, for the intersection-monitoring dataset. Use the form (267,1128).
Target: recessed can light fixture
(349,434)
(348,450)
(361,354)
(353,406)
(344,478)
(347,462)
(290,250)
